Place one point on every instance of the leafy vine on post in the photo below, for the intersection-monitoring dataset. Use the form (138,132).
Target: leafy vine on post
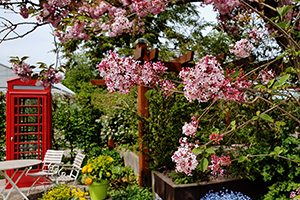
(273,78)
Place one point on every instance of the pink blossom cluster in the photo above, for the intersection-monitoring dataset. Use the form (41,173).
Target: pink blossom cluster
(256,35)
(24,12)
(204,81)
(48,77)
(121,73)
(233,87)
(217,163)
(45,79)
(223,6)
(267,76)
(293,194)
(189,129)
(144,7)
(216,138)
(186,161)
(241,48)
(207,81)
(103,16)
(23,70)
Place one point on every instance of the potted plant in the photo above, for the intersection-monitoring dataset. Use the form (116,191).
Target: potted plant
(97,175)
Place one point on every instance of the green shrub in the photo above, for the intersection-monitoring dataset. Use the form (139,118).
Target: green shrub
(64,192)
(133,192)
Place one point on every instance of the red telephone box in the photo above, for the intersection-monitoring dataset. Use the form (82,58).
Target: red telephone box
(28,123)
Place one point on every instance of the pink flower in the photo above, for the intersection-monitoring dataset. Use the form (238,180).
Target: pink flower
(241,48)
(186,161)
(266,76)
(189,129)
(216,138)
(217,163)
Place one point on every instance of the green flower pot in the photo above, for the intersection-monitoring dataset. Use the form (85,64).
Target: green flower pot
(98,190)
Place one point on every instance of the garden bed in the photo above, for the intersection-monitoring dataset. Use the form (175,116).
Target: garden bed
(167,190)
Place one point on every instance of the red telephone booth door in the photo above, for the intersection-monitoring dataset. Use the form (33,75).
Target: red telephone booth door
(27,138)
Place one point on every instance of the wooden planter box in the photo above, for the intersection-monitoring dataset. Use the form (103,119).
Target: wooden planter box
(167,190)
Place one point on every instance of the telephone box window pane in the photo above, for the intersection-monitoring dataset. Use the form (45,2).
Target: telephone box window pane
(41,138)
(29,156)
(41,101)
(28,129)
(28,110)
(16,157)
(28,101)
(16,110)
(16,120)
(15,138)
(41,119)
(28,147)
(28,138)
(16,101)
(28,119)
(41,110)
(16,148)
(16,129)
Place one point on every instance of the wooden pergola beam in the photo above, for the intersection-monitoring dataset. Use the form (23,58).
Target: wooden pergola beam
(184,58)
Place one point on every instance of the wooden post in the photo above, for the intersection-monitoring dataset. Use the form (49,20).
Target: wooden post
(144,173)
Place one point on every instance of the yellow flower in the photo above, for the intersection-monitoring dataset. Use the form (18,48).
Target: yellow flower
(84,169)
(110,159)
(108,174)
(90,170)
(88,181)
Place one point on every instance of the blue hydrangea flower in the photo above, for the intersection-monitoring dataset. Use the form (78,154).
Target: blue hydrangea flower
(225,195)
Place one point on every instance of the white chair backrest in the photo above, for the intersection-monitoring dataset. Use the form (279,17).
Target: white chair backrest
(53,157)
(78,160)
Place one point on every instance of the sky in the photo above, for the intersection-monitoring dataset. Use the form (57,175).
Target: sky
(38,45)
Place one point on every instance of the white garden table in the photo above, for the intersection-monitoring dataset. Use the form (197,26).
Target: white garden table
(15,165)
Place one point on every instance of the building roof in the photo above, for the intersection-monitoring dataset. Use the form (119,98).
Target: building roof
(6,73)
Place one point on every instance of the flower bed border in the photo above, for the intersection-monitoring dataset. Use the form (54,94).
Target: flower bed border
(167,190)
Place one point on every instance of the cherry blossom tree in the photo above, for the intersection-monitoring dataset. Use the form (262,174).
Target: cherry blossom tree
(209,81)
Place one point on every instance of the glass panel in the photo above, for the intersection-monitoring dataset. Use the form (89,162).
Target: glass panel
(16,138)
(28,119)
(16,129)
(41,138)
(41,110)
(41,101)
(41,128)
(41,119)
(16,157)
(16,101)
(28,147)
(28,110)
(27,87)
(16,120)
(16,147)
(16,110)
(28,129)
(28,101)
(28,156)
(28,138)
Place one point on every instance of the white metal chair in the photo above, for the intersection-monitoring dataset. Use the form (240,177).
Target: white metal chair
(74,169)
(50,168)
